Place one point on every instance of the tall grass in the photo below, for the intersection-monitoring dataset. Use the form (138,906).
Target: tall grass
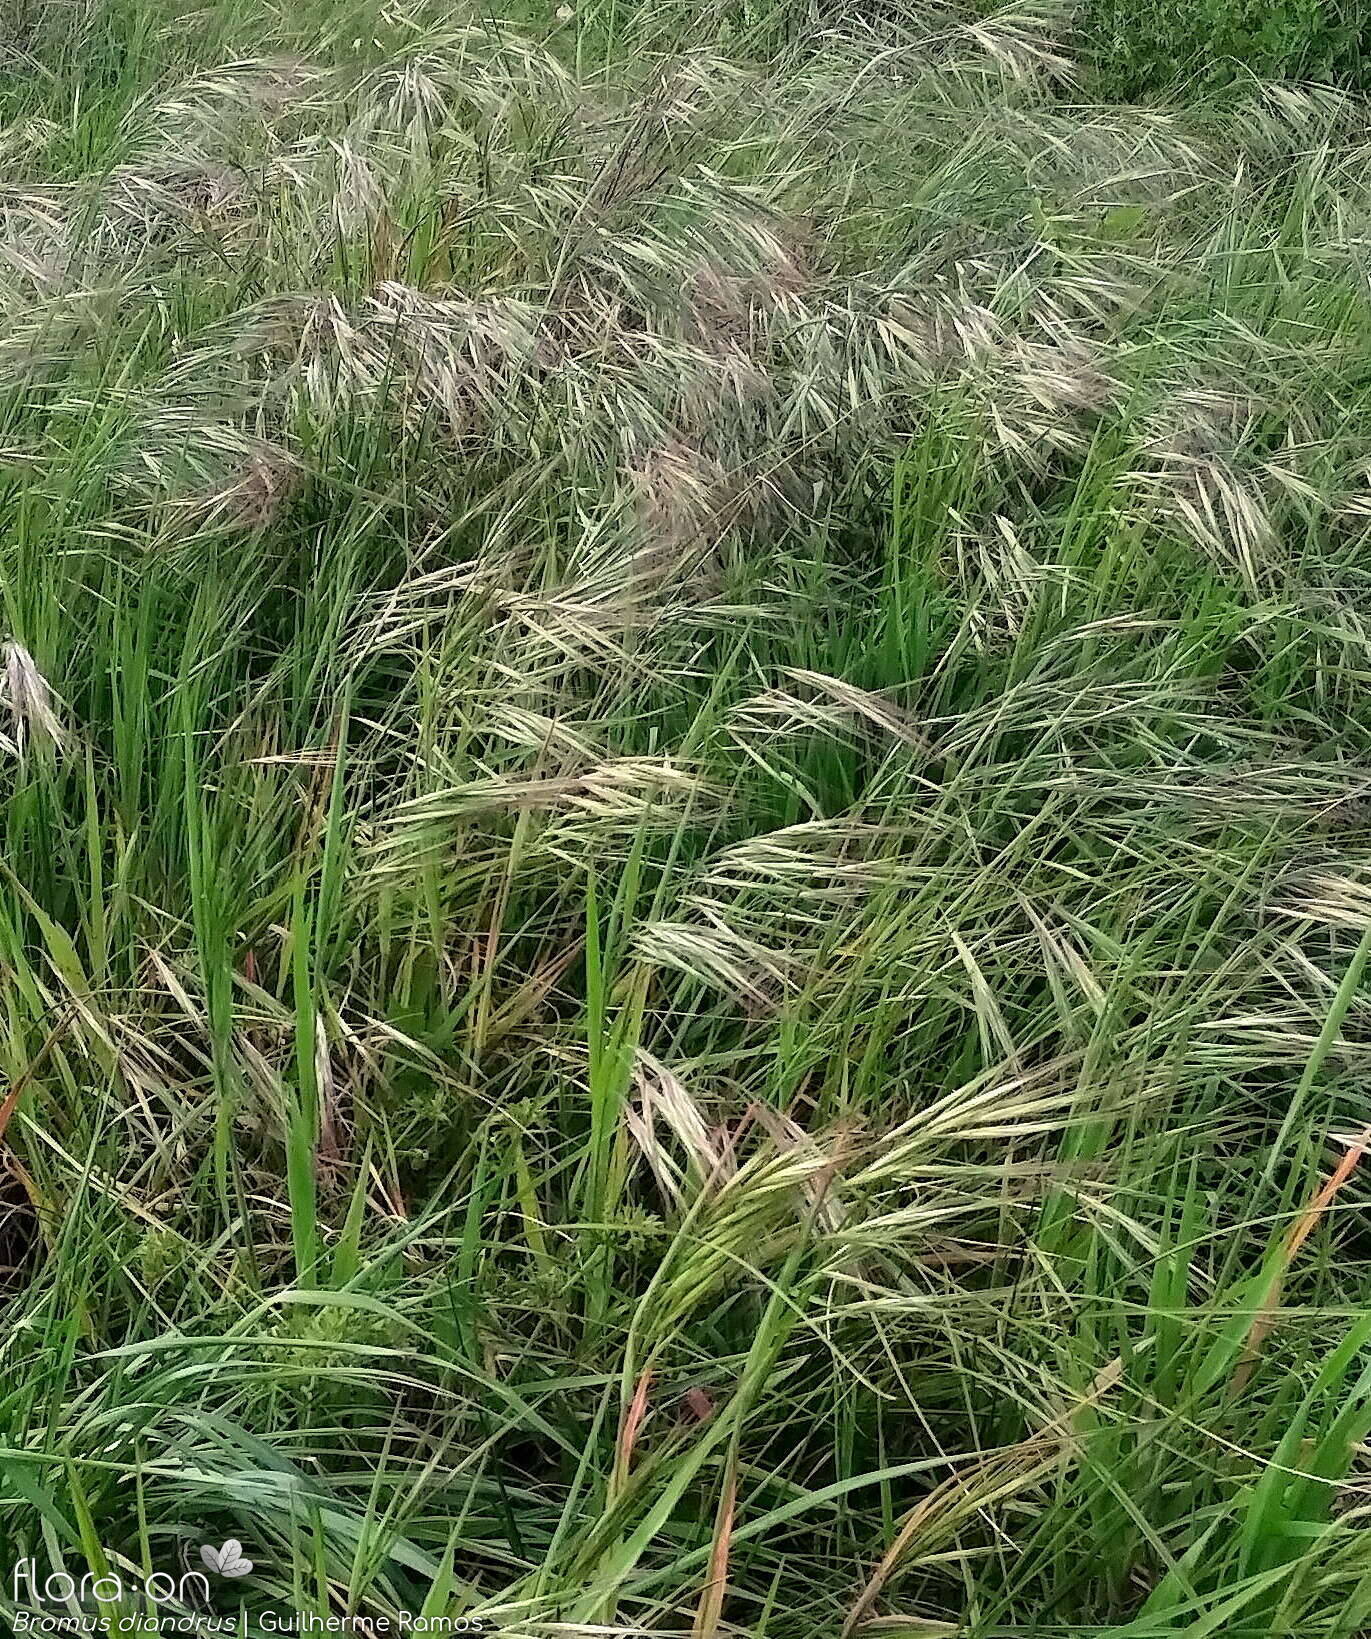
(686,867)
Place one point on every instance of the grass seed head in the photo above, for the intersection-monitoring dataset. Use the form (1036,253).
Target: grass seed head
(30,699)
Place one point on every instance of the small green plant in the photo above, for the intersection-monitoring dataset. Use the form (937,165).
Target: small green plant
(1133,49)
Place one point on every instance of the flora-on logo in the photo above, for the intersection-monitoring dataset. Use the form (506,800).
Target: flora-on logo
(61,1587)
(228,1560)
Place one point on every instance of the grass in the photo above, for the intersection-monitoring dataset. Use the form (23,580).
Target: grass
(686,860)
(1137,50)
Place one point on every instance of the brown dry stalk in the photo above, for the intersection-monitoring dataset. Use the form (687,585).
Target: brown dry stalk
(711,1606)
(11,1099)
(629,1430)
(1300,1231)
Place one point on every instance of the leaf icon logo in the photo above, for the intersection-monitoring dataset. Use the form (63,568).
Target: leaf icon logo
(228,1560)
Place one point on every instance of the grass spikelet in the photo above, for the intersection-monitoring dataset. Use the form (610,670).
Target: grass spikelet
(30,700)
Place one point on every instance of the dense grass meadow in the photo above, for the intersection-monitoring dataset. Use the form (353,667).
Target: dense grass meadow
(685,793)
